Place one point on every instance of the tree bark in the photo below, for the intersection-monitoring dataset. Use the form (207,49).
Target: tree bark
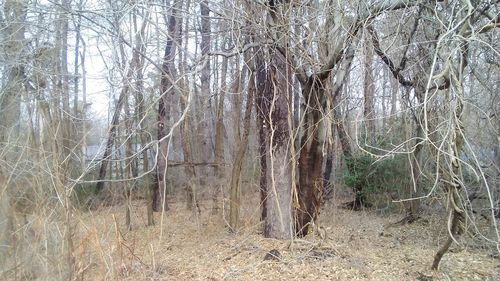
(203,131)
(262,106)
(368,102)
(167,93)
(240,147)
(219,137)
(311,159)
(278,219)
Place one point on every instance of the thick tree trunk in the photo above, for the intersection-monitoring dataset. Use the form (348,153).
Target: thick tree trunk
(274,111)
(313,130)
(167,95)
(278,222)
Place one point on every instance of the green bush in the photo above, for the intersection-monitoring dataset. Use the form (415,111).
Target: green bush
(371,178)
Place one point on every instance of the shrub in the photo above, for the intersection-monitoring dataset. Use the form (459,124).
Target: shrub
(371,178)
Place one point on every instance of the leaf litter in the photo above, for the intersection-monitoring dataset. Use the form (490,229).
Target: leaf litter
(187,246)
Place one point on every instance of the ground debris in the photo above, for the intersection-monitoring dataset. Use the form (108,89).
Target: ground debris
(273,255)
(423,277)
(183,247)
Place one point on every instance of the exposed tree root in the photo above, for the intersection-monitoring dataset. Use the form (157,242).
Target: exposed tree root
(455,231)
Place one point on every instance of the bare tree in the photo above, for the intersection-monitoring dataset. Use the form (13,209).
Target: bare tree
(167,97)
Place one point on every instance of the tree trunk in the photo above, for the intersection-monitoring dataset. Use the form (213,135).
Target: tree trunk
(111,139)
(141,115)
(219,137)
(189,169)
(368,84)
(203,129)
(167,93)
(240,147)
(339,85)
(314,129)
(128,165)
(412,207)
(275,110)
(262,106)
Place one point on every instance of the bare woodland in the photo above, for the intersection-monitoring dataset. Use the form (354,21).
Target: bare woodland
(244,140)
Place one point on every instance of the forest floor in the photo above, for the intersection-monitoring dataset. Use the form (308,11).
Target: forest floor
(184,245)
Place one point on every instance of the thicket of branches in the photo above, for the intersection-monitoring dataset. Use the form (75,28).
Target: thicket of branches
(394,97)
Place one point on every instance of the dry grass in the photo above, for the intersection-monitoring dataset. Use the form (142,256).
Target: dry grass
(187,246)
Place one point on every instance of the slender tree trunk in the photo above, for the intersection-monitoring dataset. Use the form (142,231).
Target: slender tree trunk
(112,133)
(368,84)
(140,112)
(412,207)
(262,106)
(240,147)
(219,137)
(204,133)
(128,164)
(189,168)
(394,100)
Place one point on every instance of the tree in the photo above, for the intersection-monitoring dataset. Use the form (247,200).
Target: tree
(241,143)
(274,110)
(168,91)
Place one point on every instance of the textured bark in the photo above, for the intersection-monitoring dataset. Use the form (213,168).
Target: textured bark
(311,159)
(276,113)
(167,95)
(273,109)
